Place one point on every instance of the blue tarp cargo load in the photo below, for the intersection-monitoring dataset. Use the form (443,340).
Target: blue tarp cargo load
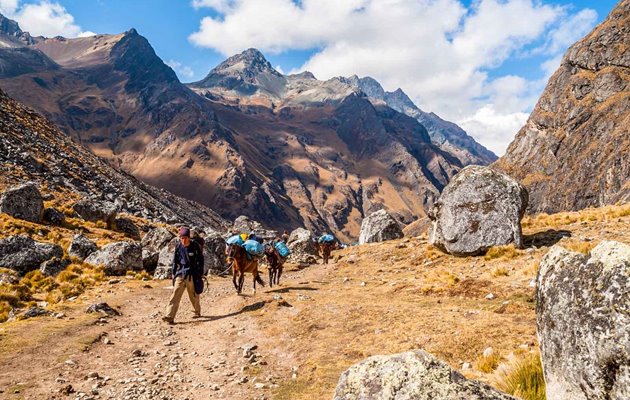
(254,248)
(327,238)
(283,250)
(236,239)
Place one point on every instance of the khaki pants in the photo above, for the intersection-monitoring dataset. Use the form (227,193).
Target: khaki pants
(176,297)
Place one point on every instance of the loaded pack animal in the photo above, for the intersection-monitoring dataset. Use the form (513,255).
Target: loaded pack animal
(275,263)
(242,263)
(325,249)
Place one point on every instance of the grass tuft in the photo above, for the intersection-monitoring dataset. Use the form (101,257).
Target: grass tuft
(523,377)
(488,364)
(505,252)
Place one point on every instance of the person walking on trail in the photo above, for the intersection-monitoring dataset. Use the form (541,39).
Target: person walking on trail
(187,275)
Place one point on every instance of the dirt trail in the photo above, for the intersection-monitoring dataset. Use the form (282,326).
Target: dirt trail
(137,356)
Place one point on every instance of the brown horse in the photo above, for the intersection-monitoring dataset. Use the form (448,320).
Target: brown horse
(326,248)
(275,262)
(242,263)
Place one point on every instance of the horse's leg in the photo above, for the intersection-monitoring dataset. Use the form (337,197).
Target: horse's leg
(278,274)
(271,274)
(234,272)
(241,279)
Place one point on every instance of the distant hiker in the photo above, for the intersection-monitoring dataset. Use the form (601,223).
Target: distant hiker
(326,246)
(187,275)
(285,237)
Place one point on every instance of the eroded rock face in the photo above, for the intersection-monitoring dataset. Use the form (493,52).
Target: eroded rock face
(583,315)
(414,375)
(118,258)
(96,210)
(478,209)
(573,151)
(23,202)
(81,247)
(152,243)
(379,227)
(23,254)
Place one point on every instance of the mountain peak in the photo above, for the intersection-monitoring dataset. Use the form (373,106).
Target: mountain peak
(10,29)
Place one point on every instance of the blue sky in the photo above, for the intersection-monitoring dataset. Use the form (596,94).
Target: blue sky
(480,63)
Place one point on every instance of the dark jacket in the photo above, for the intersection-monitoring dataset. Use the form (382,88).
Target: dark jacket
(188,261)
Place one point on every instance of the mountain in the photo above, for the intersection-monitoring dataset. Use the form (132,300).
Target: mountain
(32,149)
(248,78)
(574,151)
(449,136)
(288,151)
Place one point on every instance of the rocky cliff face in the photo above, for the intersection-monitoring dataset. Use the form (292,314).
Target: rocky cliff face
(32,149)
(574,150)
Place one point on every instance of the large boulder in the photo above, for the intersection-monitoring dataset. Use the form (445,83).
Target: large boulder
(118,257)
(244,224)
(414,375)
(127,226)
(165,260)
(81,247)
(214,253)
(54,266)
(379,227)
(583,315)
(23,202)
(53,216)
(154,241)
(478,209)
(96,210)
(303,246)
(23,254)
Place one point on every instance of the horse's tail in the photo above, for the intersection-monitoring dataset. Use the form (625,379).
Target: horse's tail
(259,280)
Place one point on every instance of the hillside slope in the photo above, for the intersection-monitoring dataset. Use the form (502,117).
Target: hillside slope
(574,151)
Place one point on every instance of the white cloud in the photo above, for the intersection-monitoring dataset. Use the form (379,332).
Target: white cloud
(181,69)
(44,18)
(440,52)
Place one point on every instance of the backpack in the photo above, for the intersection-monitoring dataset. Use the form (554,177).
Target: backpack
(236,239)
(327,238)
(254,248)
(283,250)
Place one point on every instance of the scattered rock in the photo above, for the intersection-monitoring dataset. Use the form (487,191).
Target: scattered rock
(23,254)
(23,202)
(411,375)
(103,308)
(32,312)
(118,257)
(54,266)
(154,241)
(81,247)
(582,304)
(126,226)
(478,209)
(53,217)
(95,210)
(490,296)
(379,227)
(8,276)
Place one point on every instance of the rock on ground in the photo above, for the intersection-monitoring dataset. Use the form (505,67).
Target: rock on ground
(152,243)
(414,375)
(81,247)
(126,226)
(53,216)
(165,261)
(118,257)
(23,254)
(379,227)
(583,315)
(214,253)
(244,224)
(478,209)
(96,210)
(53,266)
(23,202)
(302,245)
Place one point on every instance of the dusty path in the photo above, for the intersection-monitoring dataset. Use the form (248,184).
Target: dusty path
(137,356)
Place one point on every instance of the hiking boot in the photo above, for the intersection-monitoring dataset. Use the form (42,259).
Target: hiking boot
(168,320)
(196,316)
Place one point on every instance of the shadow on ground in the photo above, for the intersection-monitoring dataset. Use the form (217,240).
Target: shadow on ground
(546,238)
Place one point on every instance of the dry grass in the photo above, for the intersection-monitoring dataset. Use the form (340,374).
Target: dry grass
(500,271)
(487,364)
(505,252)
(579,246)
(522,377)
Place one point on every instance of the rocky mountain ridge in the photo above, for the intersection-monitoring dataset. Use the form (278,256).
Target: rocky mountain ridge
(573,151)
(313,164)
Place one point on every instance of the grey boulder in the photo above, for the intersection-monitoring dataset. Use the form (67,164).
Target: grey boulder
(303,246)
(152,243)
(214,253)
(165,261)
(583,315)
(96,210)
(23,202)
(414,375)
(23,254)
(53,216)
(54,266)
(81,247)
(118,257)
(127,226)
(379,227)
(478,209)
(244,224)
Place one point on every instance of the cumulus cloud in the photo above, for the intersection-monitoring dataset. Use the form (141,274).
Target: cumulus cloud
(44,18)
(182,70)
(441,52)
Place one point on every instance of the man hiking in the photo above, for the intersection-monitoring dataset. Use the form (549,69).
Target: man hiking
(187,271)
